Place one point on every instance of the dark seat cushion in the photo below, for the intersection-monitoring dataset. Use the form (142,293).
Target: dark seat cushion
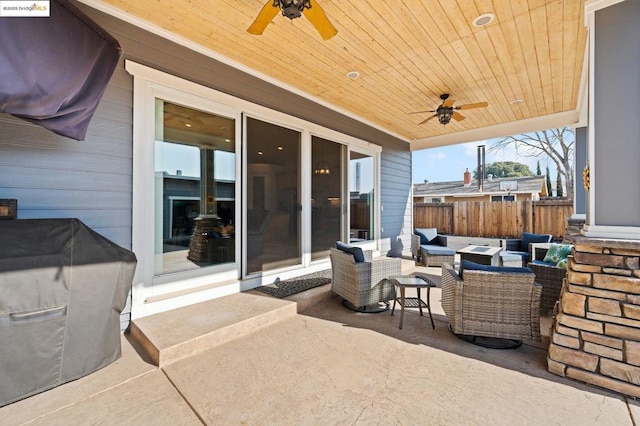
(356,252)
(426,234)
(466,264)
(528,238)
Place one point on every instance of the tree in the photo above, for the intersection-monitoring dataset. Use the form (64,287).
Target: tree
(538,171)
(556,144)
(505,169)
(549,188)
(559,185)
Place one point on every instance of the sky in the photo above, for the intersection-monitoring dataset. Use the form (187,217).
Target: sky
(448,163)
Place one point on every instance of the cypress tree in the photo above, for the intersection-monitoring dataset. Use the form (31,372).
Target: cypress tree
(538,171)
(559,192)
(549,187)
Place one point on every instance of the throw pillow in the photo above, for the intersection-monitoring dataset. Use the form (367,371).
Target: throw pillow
(426,234)
(356,252)
(557,252)
(562,264)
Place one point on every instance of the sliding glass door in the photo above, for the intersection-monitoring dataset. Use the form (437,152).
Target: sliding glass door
(273,229)
(326,196)
(362,182)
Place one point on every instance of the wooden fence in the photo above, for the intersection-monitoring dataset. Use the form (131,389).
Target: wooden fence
(507,219)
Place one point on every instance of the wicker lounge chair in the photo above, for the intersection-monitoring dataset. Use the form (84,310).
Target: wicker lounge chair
(363,285)
(430,248)
(518,250)
(550,276)
(496,305)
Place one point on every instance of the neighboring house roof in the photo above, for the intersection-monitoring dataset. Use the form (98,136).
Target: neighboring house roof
(525,185)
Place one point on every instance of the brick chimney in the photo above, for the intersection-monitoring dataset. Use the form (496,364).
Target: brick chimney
(467,177)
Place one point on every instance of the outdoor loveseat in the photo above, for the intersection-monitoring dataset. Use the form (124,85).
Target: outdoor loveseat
(430,248)
(362,282)
(492,302)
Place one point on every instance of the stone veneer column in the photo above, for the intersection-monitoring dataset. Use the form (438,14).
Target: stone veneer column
(595,336)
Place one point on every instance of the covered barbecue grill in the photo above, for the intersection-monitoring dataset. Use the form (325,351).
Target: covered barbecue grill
(62,290)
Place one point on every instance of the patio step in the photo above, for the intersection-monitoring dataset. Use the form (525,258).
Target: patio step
(173,335)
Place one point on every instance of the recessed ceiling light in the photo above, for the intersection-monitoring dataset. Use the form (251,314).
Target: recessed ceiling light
(483,19)
(353,74)
(280,148)
(227,140)
(516,101)
(187,124)
(259,152)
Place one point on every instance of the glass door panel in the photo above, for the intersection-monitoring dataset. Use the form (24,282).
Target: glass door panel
(326,196)
(194,189)
(361,197)
(273,196)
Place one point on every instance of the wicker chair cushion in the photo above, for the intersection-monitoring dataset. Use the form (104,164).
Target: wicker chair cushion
(426,234)
(437,250)
(528,238)
(508,255)
(466,264)
(557,253)
(356,252)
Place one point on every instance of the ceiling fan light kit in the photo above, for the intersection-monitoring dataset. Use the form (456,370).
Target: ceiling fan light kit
(293,9)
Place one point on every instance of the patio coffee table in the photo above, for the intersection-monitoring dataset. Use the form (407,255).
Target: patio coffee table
(483,255)
(417,282)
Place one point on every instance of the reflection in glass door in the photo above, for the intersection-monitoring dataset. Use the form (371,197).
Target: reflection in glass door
(361,197)
(195,204)
(273,196)
(326,196)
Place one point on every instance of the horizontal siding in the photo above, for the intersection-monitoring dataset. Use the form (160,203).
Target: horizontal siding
(395,189)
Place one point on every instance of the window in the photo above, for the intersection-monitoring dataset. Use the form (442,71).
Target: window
(194,189)
(503,198)
(361,196)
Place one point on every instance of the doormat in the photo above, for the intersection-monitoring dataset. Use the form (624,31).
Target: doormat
(282,289)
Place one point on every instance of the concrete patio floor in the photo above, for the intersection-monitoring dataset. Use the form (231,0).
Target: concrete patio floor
(327,365)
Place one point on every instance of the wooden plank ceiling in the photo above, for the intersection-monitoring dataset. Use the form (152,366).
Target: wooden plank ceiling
(407,54)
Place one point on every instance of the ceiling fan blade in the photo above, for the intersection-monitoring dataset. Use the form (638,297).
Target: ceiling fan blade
(457,116)
(265,16)
(319,19)
(469,106)
(424,121)
(448,102)
(421,112)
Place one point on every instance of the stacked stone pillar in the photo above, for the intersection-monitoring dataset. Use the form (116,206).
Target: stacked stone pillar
(596,332)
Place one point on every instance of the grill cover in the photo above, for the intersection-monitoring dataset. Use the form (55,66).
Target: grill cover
(53,71)
(62,290)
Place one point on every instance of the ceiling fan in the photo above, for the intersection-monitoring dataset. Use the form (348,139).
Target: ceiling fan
(446,110)
(294,9)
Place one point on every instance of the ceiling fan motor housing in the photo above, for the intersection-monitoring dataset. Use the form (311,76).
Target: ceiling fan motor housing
(292,8)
